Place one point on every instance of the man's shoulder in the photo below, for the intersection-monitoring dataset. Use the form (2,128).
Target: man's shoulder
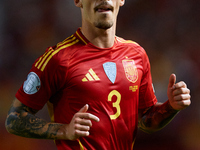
(132,44)
(127,42)
(67,45)
(58,54)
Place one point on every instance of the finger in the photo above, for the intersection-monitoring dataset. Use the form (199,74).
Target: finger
(82,121)
(184,103)
(80,133)
(88,116)
(180,84)
(187,102)
(82,127)
(182,97)
(181,91)
(84,109)
(172,80)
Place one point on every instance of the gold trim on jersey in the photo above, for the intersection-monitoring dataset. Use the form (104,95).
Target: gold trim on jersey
(125,41)
(81,38)
(81,145)
(44,59)
(133,144)
(67,40)
(50,110)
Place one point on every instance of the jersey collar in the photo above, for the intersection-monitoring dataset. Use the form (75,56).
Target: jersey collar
(85,41)
(81,37)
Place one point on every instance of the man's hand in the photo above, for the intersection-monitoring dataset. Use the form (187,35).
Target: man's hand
(80,124)
(178,94)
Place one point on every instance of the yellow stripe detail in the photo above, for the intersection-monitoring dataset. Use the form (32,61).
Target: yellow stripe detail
(126,41)
(133,144)
(81,38)
(93,74)
(56,51)
(89,77)
(50,110)
(41,58)
(129,41)
(38,61)
(44,58)
(81,145)
(66,41)
(68,38)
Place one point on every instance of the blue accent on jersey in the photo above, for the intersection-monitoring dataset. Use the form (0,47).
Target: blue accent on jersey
(110,70)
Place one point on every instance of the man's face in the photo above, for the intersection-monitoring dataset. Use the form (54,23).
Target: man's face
(100,13)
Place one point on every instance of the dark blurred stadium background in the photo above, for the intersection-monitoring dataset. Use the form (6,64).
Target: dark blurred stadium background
(169,30)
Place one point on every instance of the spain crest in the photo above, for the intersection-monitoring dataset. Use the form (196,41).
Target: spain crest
(130,70)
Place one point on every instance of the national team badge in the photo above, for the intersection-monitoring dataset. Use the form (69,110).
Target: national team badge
(130,70)
(110,70)
(32,84)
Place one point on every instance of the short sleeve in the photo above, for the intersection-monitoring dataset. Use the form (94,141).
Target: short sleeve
(41,82)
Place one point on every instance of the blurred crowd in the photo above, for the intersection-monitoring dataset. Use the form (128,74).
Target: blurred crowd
(169,31)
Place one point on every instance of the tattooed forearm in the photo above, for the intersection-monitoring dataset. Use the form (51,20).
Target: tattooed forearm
(21,120)
(157,117)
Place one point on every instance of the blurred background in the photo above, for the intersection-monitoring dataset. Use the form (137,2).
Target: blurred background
(169,31)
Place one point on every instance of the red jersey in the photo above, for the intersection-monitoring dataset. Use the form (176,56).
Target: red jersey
(115,82)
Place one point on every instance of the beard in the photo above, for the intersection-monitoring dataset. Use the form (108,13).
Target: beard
(103,21)
(103,24)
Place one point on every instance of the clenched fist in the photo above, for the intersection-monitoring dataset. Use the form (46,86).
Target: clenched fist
(178,94)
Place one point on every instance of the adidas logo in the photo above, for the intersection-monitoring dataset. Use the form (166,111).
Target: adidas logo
(90,76)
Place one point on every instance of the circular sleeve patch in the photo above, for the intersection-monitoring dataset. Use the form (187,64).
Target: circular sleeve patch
(32,84)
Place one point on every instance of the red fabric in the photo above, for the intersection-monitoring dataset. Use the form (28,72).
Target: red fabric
(63,71)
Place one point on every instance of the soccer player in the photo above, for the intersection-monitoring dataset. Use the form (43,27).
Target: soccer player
(98,88)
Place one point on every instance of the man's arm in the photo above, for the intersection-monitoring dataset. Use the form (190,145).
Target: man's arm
(156,117)
(159,115)
(21,120)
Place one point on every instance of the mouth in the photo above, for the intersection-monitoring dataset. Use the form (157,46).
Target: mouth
(103,7)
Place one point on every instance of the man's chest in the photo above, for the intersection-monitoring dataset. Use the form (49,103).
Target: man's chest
(101,73)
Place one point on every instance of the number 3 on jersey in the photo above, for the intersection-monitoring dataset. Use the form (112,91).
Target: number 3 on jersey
(115,104)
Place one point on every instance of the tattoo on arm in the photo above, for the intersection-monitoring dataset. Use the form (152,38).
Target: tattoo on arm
(21,120)
(157,117)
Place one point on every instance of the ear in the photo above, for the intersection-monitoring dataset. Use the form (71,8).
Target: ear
(78,3)
(122,2)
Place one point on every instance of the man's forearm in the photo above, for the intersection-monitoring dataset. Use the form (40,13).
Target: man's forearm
(21,120)
(157,117)
(23,123)
(32,127)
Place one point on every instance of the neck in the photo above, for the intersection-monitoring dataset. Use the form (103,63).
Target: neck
(99,37)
